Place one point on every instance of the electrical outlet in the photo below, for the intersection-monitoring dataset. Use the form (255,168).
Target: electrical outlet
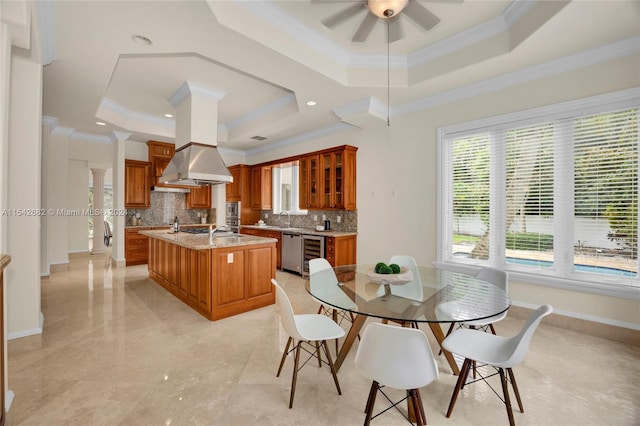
(324,217)
(229,257)
(339,219)
(315,217)
(266,215)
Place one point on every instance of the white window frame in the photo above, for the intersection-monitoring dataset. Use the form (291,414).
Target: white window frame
(295,193)
(562,276)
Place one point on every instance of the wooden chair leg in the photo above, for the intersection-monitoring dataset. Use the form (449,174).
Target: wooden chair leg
(515,389)
(318,354)
(416,408)
(461,379)
(331,366)
(507,401)
(371,401)
(353,318)
(421,407)
(284,356)
(295,374)
(493,330)
(447,335)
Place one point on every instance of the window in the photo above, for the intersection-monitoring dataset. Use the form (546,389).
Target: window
(285,189)
(551,192)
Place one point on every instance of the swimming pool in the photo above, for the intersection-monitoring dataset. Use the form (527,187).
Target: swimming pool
(581,268)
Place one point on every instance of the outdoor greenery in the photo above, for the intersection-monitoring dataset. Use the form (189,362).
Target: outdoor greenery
(605,178)
(529,241)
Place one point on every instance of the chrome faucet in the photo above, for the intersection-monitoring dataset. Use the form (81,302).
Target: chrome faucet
(288,222)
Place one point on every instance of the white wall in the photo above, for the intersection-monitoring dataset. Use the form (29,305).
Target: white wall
(78,199)
(134,150)
(57,185)
(397,177)
(23,232)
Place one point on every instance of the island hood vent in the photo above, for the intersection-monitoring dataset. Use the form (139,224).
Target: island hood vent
(196,164)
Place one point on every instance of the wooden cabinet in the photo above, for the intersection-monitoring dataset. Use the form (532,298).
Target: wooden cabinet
(160,153)
(136,246)
(243,279)
(234,190)
(137,191)
(338,171)
(327,179)
(309,182)
(269,234)
(341,250)
(218,282)
(4,261)
(240,190)
(261,187)
(199,198)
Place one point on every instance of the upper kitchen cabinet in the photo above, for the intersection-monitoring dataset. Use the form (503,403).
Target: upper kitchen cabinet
(328,179)
(261,187)
(240,190)
(160,153)
(241,176)
(199,197)
(339,179)
(309,181)
(137,191)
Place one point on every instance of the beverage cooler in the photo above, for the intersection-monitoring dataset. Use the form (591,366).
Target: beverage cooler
(312,248)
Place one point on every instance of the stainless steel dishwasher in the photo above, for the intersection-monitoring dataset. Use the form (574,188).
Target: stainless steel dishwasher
(291,252)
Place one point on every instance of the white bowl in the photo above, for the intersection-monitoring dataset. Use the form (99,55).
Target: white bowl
(319,228)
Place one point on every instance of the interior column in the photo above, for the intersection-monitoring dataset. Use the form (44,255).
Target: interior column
(98,211)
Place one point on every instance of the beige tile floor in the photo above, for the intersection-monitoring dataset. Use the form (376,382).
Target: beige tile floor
(117,349)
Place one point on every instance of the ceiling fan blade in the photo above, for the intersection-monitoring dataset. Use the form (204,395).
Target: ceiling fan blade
(420,15)
(365,28)
(343,15)
(395,29)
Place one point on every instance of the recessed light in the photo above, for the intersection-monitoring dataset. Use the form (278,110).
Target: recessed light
(101,123)
(168,115)
(141,40)
(311,103)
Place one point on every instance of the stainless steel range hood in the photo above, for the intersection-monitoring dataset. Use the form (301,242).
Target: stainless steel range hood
(196,164)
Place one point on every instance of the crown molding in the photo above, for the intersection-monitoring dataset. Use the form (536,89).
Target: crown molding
(119,136)
(89,137)
(583,59)
(302,137)
(49,121)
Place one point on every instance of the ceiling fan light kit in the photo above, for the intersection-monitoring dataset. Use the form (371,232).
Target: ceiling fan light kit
(386,8)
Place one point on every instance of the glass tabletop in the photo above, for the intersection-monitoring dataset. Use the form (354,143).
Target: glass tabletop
(425,294)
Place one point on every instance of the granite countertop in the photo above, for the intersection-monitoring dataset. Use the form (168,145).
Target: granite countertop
(202,241)
(170,225)
(306,231)
(4,261)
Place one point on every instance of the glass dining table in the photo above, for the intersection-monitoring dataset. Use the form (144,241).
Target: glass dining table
(422,295)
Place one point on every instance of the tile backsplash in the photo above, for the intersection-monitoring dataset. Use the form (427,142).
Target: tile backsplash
(348,219)
(167,205)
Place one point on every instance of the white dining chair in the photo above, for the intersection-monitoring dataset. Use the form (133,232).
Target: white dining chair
(397,357)
(308,329)
(501,353)
(412,290)
(446,310)
(328,279)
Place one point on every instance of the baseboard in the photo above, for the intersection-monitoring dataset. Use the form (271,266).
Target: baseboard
(119,263)
(31,332)
(59,267)
(592,328)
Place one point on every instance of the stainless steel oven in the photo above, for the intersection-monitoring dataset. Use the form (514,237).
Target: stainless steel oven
(232,219)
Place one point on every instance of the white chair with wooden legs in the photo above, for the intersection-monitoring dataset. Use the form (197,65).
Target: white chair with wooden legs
(397,357)
(412,290)
(501,353)
(305,328)
(495,276)
(328,278)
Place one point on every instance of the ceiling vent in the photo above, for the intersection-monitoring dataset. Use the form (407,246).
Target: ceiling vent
(259,138)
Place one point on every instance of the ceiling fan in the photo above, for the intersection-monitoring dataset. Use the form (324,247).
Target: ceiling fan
(382,9)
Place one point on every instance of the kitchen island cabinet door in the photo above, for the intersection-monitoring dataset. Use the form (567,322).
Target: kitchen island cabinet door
(268,234)
(259,263)
(229,278)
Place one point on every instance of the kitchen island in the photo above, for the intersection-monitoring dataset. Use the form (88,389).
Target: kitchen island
(218,277)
